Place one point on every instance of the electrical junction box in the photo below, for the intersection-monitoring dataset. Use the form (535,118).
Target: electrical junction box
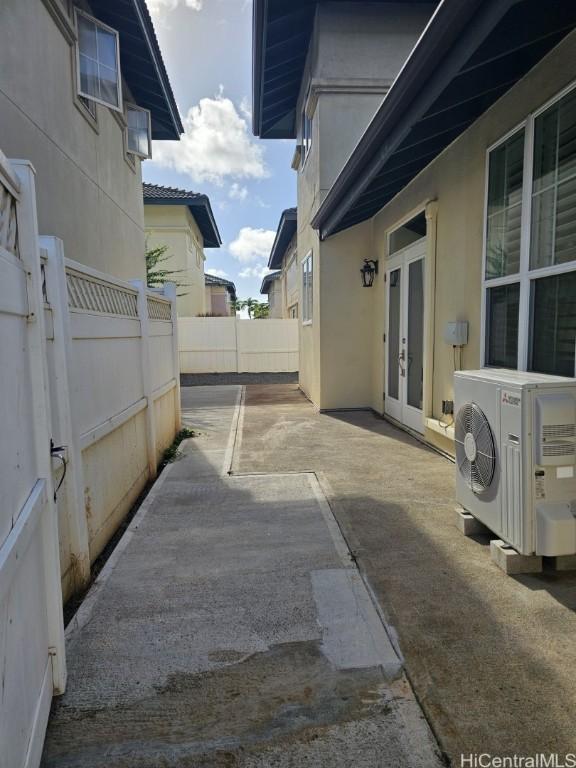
(456,333)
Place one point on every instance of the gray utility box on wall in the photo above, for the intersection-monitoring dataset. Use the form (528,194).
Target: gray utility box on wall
(456,333)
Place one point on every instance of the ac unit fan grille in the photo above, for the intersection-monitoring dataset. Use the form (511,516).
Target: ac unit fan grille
(475,449)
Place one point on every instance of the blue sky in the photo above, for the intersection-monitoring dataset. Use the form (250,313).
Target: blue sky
(206,45)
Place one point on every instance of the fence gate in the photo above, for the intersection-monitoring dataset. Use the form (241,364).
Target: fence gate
(31,631)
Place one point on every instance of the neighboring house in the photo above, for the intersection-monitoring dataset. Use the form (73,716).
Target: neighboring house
(83,90)
(272,287)
(462,188)
(183,221)
(220,296)
(284,257)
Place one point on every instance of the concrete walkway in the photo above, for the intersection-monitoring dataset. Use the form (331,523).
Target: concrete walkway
(232,628)
(492,658)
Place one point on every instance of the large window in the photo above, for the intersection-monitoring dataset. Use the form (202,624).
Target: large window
(98,62)
(530,254)
(307,289)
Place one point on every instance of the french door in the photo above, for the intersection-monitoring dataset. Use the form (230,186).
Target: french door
(404,374)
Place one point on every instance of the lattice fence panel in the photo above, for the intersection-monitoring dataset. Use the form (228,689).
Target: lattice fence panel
(96,296)
(158,309)
(8,221)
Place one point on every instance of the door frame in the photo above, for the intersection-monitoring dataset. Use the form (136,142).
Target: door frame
(406,415)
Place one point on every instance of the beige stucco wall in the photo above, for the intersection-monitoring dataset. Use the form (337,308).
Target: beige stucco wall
(89,193)
(275,298)
(452,191)
(218,301)
(175,227)
(355,52)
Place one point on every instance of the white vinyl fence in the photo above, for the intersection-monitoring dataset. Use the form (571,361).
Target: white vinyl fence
(114,385)
(90,385)
(231,345)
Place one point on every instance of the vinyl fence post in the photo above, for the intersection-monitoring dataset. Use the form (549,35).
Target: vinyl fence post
(147,376)
(237,338)
(36,342)
(170,293)
(66,432)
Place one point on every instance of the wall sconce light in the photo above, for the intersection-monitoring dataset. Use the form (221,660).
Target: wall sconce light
(368,271)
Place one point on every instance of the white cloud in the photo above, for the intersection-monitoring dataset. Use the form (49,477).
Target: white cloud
(157,7)
(252,244)
(259,272)
(216,145)
(216,272)
(237,192)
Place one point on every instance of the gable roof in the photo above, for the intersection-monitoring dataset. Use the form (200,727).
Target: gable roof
(268,279)
(228,284)
(287,227)
(281,33)
(470,54)
(141,63)
(198,204)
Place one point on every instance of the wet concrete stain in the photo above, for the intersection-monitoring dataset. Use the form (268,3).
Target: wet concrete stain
(289,693)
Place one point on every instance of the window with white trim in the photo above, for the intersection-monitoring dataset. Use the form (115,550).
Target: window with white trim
(138,131)
(98,67)
(307,289)
(530,252)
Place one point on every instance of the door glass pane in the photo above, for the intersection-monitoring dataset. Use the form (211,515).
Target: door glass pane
(502,332)
(553,237)
(505,174)
(553,332)
(415,362)
(394,334)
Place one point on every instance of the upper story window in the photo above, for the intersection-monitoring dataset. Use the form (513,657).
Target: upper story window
(306,136)
(307,289)
(98,62)
(530,254)
(138,131)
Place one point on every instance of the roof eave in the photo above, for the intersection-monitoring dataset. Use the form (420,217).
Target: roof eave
(448,32)
(144,18)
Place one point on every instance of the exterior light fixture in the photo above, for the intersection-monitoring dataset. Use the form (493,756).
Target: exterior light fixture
(368,271)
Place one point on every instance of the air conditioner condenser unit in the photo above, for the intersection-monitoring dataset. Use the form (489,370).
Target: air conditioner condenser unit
(515,436)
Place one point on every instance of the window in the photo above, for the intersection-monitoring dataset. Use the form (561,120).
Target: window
(530,254)
(307,289)
(306,136)
(293,312)
(98,62)
(138,133)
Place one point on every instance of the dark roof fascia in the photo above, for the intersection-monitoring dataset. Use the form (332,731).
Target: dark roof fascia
(258,45)
(284,234)
(444,45)
(208,227)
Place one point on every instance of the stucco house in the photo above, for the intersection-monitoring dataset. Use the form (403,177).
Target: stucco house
(83,91)
(182,221)
(272,288)
(283,285)
(220,297)
(451,184)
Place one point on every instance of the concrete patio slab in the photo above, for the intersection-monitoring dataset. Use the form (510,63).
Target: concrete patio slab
(492,657)
(232,628)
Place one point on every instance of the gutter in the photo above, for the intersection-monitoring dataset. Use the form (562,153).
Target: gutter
(452,34)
